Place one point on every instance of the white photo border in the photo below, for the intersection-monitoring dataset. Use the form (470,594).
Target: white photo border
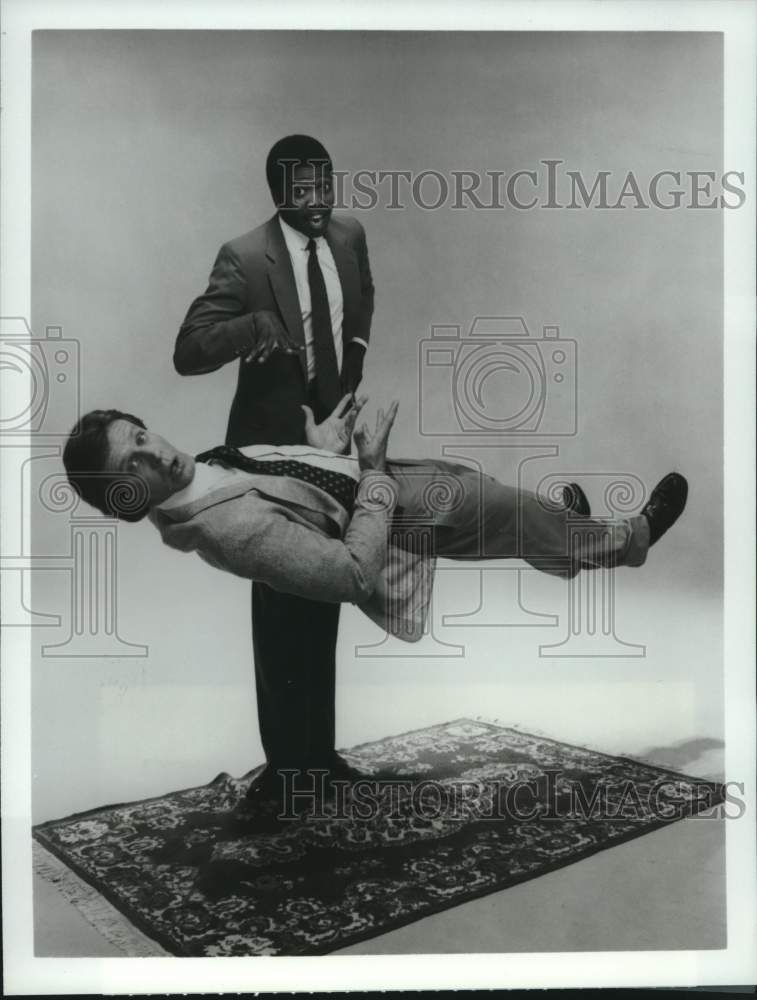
(736,964)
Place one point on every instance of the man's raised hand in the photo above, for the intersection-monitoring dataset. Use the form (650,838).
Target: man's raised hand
(270,336)
(334,433)
(371,447)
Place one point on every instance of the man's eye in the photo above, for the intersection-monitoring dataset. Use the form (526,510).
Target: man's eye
(328,187)
(299,192)
(141,438)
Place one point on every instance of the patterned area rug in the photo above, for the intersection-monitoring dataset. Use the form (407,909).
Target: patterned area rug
(493,807)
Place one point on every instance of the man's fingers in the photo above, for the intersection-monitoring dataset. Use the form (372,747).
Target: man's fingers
(262,348)
(388,420)
(259,355)
(309,418)
(385,420)
(342,406)
(287,345)
(284,341)
(349,421)
(272,336)
(357,406)
(391,413)
(284,345)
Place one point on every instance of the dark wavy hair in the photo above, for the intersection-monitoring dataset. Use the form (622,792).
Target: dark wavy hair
(289,152)
(85,458)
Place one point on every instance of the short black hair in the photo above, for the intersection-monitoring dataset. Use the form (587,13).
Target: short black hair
(85,458)
(289,152)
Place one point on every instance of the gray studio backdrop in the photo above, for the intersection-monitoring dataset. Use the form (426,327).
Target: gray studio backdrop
(149,152)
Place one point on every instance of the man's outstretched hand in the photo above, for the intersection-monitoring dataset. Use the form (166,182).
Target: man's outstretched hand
(371,447)
(334,433)
(270,336)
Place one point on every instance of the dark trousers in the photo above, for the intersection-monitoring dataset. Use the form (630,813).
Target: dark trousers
(294,645)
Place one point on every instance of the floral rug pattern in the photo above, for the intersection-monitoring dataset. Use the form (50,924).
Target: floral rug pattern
(490,807)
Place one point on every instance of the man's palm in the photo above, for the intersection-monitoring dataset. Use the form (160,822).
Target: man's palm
(335,432)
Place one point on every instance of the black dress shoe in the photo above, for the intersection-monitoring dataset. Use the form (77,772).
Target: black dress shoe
(575,500)
(340,770)
(265,786)
(665,505)
(269,788)
(273,800)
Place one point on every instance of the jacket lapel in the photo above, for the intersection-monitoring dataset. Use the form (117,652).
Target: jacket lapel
(281,277)
(306,501)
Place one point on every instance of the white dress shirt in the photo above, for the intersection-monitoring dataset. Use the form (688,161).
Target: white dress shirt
(297,245)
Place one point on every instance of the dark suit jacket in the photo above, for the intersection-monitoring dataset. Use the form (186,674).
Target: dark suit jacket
(253,272)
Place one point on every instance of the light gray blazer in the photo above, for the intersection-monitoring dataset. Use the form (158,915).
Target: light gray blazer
(299,540)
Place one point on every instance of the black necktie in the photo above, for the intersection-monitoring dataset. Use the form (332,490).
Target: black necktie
(341,487)
(326,366)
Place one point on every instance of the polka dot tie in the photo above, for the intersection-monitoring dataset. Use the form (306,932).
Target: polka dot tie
(339,486)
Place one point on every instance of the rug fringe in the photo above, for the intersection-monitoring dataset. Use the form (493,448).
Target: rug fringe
(95,909)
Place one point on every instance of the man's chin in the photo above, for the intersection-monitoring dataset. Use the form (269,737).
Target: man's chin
(187,470)
(184,473)
(318,228)
(307,226)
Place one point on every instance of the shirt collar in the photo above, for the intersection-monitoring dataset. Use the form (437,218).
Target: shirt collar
(295,240)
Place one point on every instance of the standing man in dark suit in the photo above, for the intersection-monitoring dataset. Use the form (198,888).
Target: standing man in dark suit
(291,302)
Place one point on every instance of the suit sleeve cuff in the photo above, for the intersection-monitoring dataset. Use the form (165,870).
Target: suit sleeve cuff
(359,340)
